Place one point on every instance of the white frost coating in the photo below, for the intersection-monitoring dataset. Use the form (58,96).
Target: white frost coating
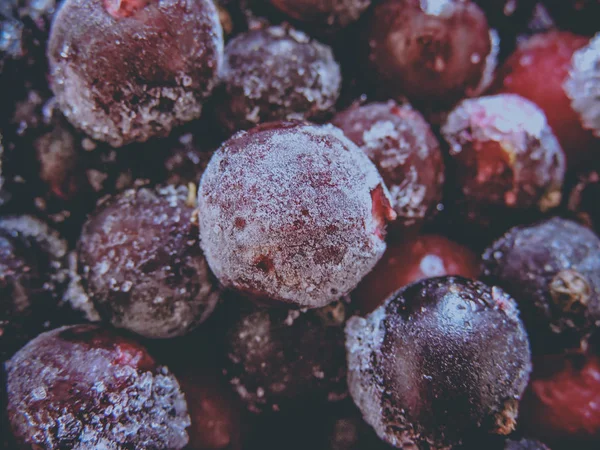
(437,7)
(364,338)
(491,63)
(583,85)
(289,213)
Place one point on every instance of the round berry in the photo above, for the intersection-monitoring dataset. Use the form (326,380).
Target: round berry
(441,358)
(583,84)
(412,260)
(433,52)
(562,397)
(142,266)
(278,359)
(127,70)
(538,71)
(405,151)
(553,270)
(33,277)
(89,388)
(505,159)
(276,73)
(328,13)
(292,212)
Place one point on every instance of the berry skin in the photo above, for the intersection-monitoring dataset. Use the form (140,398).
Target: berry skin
(552,269)
(125,71)
(33,277)
(433,52)
(142,266)
(276,73)
(405,151)
(505,160)
(292,213)
(538,71)
(439,359)
(323,13)
(88,388)
(412,260)
(278,359)
(562,399)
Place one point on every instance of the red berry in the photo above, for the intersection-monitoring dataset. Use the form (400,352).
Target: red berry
(563,397)
(537,70)
(406,262)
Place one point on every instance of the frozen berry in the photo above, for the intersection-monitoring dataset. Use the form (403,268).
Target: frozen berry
(276,73)
(127,70)
(583,200)
(538,70)
(433,52)
(292,212)
(524,444)
(32,279)
(412,260)
(404,149)
(88,388)
(505,159)
(583,84)
(563,397)
(336,13)
(580,16)
(439,359)
(278,359)
(553,270)
(142,266)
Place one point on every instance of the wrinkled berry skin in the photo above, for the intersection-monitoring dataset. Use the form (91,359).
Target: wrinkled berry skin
(562,397)
(441,358)
(583,200)
(323,13)
(89,388)
(405,151)
(505,161)
(552,269)
(405,262)
(538,70)
(278,358)
(293,213)
(580,16)
(125,71)
(276,73)
(434,53)
(142,266)
(33,277)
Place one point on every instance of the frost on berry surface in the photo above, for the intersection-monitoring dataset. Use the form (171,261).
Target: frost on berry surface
(438,359)
(504,155)
(292,212)
(401,144)
(276,73)
(336,13)
(552,269)
(126,71)
(86,388)
(278,358)
(142,266)
(583,85)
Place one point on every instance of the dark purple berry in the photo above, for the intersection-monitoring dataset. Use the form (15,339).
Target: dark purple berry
(141,263)
(405,151)
(441,358)
(279,358)
(292,212)
(276,73)
(88,388)
(433,52)
(323,13)
(32,279)
(127,70)
(552,269)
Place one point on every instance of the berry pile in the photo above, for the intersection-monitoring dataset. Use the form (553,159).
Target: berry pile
(299,224)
